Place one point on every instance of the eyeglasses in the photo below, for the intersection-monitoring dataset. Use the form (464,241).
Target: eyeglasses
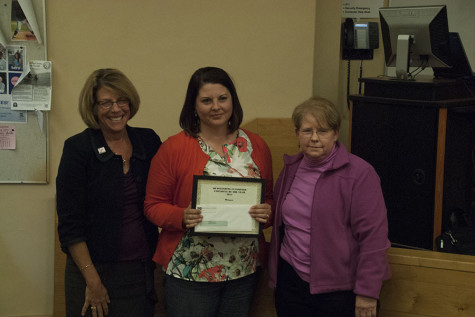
(107,104)
(321,133)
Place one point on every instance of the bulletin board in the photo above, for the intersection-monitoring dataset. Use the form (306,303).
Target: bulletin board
(28,161)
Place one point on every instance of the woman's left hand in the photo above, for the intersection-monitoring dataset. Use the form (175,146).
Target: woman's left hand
(365,306)
(260,212)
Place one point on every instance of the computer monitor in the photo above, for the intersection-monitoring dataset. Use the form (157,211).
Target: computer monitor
(460,65)
(415,36)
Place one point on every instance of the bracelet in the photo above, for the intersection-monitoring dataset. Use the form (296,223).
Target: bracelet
(85,267)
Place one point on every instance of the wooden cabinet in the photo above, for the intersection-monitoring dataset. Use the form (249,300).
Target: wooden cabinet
(420,138)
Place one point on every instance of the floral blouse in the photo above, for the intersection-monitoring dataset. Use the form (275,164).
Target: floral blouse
(216,259)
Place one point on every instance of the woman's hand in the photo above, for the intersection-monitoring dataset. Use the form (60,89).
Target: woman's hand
(260,212)
(191,217)
(365,306)
(98,299)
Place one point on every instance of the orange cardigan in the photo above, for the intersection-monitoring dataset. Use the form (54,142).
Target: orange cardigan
(170,184)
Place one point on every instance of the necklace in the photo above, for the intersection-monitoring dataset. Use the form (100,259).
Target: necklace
(220,144)
(124,161)
(122,154)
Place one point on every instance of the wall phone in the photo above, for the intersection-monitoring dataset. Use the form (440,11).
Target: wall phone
(358,39)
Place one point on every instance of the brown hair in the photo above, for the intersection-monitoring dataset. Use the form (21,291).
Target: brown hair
(189,122)
(113,80)
(323,110)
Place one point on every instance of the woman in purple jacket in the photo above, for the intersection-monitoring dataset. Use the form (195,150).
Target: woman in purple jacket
(328,247)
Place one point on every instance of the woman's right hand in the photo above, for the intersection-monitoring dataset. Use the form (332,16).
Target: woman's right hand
(98,300)
(191,217)
(96,297)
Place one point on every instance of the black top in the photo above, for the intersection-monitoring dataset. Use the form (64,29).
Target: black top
(89,191)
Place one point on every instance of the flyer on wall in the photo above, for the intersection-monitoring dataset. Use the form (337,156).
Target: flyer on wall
(11,116)
(24,26)
(32,90)
(7,77)
(7,137)
(12,58)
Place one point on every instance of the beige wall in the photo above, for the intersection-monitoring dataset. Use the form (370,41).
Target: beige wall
(279,52)
(330,72)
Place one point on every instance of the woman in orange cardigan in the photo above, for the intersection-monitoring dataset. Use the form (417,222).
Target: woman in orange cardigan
(207,275)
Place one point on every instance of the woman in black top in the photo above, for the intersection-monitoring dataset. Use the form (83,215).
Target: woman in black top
(100,192)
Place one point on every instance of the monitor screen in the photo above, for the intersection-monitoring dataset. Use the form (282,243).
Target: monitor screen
(459,63)
(415,36)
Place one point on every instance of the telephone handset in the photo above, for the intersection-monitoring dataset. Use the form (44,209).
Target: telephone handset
(348,36)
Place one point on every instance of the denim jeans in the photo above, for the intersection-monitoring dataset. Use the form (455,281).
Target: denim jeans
(209,299)
(293,298)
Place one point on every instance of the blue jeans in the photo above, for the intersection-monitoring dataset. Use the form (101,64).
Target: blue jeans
(209,299)
(293,298)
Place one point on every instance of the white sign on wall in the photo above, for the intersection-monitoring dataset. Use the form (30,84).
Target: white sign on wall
(361,8)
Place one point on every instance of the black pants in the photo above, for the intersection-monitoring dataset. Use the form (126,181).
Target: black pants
(130,286)
(293,298)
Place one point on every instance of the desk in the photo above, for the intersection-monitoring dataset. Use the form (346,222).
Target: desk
(427,283)
(419,136)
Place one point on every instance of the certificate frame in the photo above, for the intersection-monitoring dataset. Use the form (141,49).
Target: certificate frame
(227,191)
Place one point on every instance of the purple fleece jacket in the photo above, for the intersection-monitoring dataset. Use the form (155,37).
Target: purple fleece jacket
(349,235)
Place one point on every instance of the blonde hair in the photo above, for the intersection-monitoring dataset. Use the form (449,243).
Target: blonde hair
(323,110)
(113,80)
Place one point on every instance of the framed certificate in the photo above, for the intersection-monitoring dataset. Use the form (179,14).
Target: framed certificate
(224,203)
